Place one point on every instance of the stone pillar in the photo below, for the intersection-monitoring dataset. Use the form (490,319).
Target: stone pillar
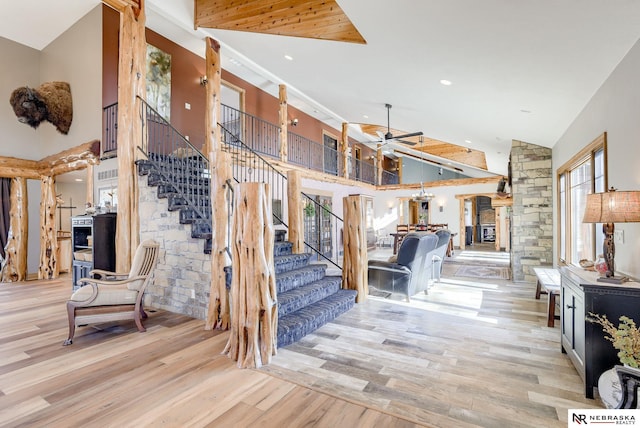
(532,211)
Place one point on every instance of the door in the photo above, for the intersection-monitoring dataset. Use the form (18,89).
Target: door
(318,231)
(330,154)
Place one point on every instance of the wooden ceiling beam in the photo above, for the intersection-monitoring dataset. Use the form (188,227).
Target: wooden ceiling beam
(315,19)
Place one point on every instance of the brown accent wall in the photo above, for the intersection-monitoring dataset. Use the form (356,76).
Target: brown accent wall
(186,70)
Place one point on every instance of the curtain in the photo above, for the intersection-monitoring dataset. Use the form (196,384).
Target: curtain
(5,206)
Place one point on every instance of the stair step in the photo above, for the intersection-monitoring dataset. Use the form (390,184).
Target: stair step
(155,178)
(282,248)
(296,325)
(296,278)
(166,189)
(290,262)
(201,229)
(175,202)
(189,215)
(306,295)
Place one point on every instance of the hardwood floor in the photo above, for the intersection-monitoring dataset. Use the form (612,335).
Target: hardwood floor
(468,354)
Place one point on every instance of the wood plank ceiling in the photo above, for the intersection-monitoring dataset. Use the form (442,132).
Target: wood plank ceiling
(452,152)
(314,19)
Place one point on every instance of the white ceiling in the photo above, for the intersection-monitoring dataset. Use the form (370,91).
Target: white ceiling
(520,69)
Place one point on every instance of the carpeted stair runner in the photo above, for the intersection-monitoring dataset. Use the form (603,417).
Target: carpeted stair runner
(307,297)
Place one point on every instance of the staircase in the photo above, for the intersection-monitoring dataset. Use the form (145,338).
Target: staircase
(307,298)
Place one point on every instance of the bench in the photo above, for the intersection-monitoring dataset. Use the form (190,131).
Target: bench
(548,283)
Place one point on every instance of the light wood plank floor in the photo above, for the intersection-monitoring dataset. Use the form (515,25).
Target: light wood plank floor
(469,354)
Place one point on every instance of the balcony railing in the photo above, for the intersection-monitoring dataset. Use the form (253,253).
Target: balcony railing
(259,135)
(110,132)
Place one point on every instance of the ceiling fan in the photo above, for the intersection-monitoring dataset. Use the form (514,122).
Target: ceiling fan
(389,137)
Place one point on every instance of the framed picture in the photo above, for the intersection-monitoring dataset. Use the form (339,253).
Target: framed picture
(108,197)
(159,81)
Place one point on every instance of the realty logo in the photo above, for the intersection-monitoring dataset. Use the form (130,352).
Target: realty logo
(580,418)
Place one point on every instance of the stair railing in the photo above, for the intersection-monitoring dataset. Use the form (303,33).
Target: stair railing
(183,168)
(249,165)
(110,134)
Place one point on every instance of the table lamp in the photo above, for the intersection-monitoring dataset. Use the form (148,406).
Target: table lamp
(609,208)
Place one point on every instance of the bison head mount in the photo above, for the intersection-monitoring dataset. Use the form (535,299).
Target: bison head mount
(50,101)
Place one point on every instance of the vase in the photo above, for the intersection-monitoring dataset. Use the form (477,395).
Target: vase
(600,265)
(609,387)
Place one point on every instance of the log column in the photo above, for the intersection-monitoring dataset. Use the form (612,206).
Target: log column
(14,267)
(463,229)
(212,103)
(344,149)
(379,165)
(283,116)
(90,184)
(218,311)
(354,270)
(254,320)
(294,211)
(49,267)
(131,84)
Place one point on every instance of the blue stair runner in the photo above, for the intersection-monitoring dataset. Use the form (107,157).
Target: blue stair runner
(307,298)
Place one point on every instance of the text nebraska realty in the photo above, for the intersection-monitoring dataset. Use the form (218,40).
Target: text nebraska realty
(612,419)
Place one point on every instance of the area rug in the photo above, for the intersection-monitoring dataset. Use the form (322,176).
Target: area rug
(483,272)
(378,293)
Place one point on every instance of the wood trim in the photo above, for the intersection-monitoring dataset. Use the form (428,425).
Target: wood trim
(72,159)
(600,142)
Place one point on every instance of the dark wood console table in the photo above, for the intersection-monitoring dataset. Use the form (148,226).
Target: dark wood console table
(583,341)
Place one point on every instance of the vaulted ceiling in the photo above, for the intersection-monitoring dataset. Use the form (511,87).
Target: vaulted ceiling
(518,70)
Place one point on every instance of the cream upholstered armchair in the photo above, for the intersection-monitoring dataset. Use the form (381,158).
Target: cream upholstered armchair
(111,296)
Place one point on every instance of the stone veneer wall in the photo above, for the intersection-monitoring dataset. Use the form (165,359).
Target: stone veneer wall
(182,278)
(532,211)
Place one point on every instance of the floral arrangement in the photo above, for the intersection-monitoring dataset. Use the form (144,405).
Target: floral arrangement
(625,337)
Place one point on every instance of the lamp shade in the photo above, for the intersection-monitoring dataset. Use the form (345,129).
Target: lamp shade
(612,207)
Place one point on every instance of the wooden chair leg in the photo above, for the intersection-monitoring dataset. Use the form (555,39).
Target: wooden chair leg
(538,289)
(137,317)
(71,314)
(551,309)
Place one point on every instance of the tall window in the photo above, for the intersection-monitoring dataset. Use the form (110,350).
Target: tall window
(585,173)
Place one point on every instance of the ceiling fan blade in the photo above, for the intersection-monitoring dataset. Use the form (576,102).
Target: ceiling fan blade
(412,134)
(406,143)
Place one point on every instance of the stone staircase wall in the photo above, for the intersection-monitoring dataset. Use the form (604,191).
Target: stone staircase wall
(183,274)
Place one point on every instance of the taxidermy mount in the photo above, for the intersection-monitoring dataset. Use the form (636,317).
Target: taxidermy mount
(50,101)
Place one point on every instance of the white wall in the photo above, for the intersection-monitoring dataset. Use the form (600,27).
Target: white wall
(19,67)
(614,108)
(75,57)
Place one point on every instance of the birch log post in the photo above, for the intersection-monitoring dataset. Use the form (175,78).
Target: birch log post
(49,267)
(294,211)
(14,267)
(254,317)
(218,310)
(131,84)
(213,97)
(379,157)
(283,118)
(344,149)
(354,269)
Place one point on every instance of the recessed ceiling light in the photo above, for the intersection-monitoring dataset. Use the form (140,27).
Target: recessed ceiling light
(234,62)
(468,141)
(525,110)
(289,57)
(78,179)
(365,116)
(445,82)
